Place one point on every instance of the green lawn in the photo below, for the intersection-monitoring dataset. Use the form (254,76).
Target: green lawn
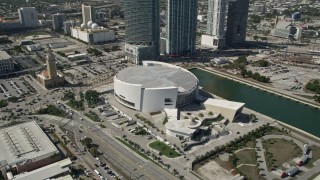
(250,144)
(164,149)
(246,156)
(76,105)
(280,151)
(92,116)
(134,149)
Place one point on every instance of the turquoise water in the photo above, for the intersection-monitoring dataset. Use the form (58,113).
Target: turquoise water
(296,114)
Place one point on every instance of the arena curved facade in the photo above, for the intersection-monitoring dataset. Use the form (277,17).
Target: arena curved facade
(155,86)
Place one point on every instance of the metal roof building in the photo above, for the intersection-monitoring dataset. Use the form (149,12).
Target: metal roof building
(46,172)
(24,144)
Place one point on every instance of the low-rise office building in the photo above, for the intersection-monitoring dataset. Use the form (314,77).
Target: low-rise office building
(67,25)
(92,33)
(34,47)
(6,63)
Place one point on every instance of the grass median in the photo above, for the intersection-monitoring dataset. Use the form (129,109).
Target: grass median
(164,149)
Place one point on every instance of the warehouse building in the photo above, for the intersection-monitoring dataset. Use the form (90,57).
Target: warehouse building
(25,147)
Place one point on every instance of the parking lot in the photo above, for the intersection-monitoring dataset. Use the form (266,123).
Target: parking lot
(15,87)
(287,77)
(26,62)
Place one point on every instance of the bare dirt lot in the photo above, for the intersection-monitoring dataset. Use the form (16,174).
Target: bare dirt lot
(212,170)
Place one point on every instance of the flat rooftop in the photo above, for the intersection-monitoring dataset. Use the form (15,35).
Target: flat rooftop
(159,77)
(46,172)
(185,126)
(24,142)
(4,55)
(224,103)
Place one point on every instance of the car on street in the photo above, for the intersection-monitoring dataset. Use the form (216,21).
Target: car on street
(18,110)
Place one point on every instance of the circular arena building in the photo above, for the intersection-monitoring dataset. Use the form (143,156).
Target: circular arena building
(155,86)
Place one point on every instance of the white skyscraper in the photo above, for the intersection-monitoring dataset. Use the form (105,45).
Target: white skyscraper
(216,17)
(28,16)
(87,14)
(215,24)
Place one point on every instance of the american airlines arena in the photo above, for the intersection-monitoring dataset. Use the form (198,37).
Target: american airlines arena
(155,86)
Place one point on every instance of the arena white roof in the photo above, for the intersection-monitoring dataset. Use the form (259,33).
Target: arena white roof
(224,103)
(159,77)
(24,142)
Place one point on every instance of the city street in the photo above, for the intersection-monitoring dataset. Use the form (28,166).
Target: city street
(128,162)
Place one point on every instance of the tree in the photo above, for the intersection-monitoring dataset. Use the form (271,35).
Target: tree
(242,59)
(13,99)
(313,85)
(255,18)
(86,142)
(91,96)
(256,76)
(244,72)
(52,110)
(317,98)
(263,63)
(3,103)
(256,38)
(68,95)
(264,39)
(94,151)
(252,117)
(115,48)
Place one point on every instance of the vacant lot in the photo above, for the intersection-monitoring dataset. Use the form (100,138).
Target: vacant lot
(246,156)
(164,149)
(279,151)
(212,170)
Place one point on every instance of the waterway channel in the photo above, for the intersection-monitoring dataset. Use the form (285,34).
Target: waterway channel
(301,116)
